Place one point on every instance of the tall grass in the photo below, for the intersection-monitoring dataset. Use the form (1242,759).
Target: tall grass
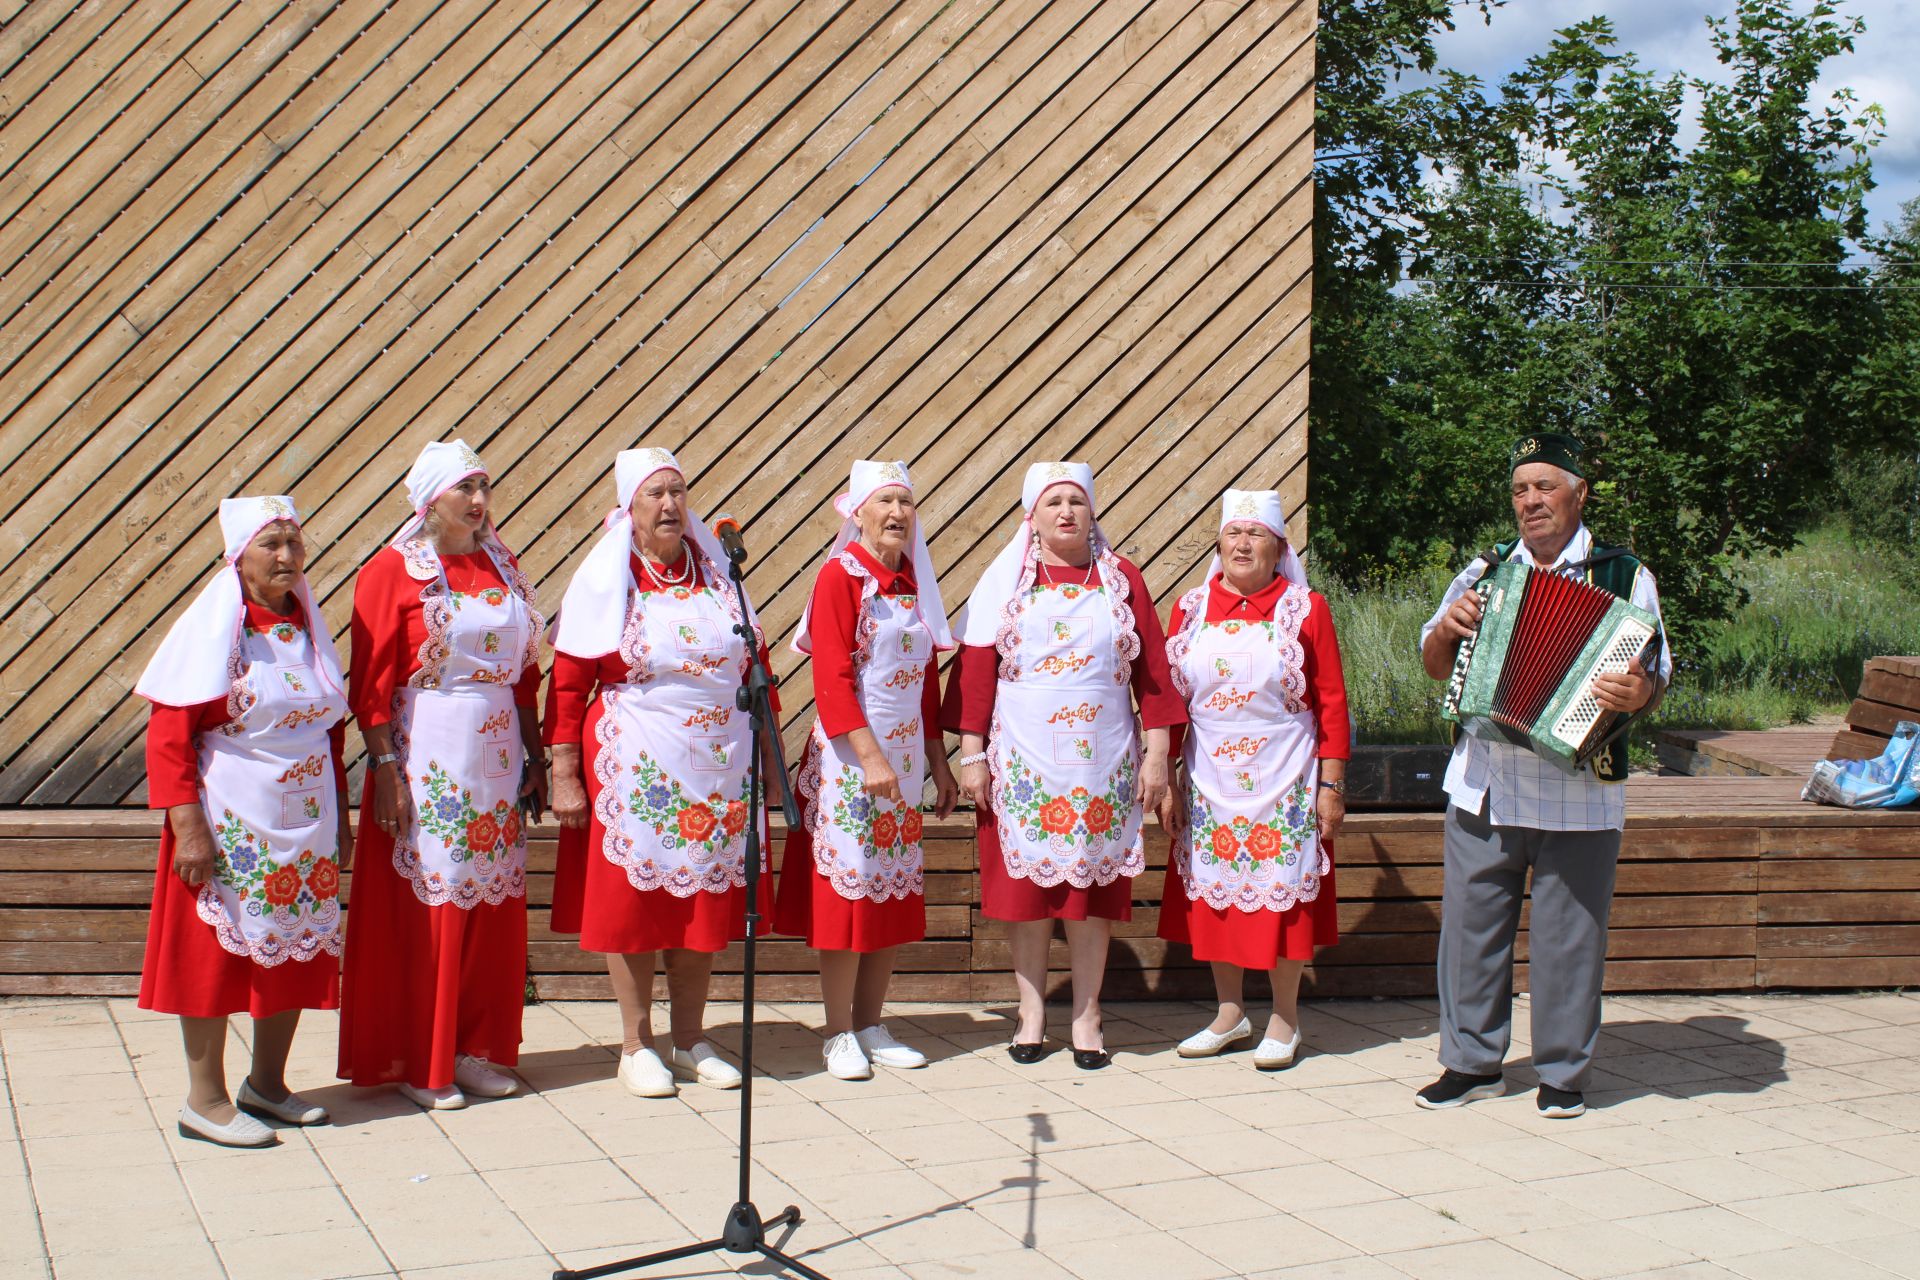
(1793,652)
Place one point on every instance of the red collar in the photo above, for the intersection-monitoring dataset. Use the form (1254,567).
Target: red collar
(1223,602)
(892,582)
(261,618)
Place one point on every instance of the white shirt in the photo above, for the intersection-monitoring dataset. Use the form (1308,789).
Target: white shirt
(1517,787)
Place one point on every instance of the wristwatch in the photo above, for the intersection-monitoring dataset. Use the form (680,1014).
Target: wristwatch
(385,758)
(1336,785)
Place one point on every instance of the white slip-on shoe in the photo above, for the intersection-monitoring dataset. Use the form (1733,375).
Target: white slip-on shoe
(645,1076)
(880,1046)
(292,1109)
(846,1060)
(1205,1044)
(445,1098)
(478,1077)
(1274,1055)
(704,1063)
(241,1131)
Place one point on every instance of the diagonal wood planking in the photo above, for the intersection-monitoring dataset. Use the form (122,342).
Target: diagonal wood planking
(276,245)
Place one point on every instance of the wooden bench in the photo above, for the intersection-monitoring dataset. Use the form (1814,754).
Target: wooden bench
(1725,884)
(1889,693)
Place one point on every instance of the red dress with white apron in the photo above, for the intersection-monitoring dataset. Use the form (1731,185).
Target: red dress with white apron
(436,957)
(666,757)
(262,934)
(1250,880)
(1057,692)
(853,875)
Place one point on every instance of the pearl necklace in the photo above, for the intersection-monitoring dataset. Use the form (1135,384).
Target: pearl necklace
(660,577)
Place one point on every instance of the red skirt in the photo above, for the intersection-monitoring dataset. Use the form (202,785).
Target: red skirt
(1012,899)
(425,983)
(1250,939)
(188,972)
(809,907)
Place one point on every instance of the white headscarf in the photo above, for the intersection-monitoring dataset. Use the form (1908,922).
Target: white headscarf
(1262,506)
(191,665)
(979,622)
(866,478)
(594,610)
(441,466)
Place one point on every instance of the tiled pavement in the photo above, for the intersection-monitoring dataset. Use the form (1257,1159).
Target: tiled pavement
(1756,1137)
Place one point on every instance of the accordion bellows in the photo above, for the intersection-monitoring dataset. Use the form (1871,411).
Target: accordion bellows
(1526,676)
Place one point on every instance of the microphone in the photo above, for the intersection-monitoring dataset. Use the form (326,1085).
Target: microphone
(727,529)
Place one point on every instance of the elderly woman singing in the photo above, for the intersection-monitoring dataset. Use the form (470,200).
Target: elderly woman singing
(446,679)
(1058,642)
(852,880)
(243,753)
(1250,873)
(651,766)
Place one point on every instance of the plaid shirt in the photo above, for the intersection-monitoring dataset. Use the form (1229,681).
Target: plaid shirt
(1517,787)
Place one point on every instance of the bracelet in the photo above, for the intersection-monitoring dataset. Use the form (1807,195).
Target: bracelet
(976,758)
(385,758)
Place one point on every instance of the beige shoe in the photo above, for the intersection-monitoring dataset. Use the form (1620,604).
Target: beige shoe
(704,1063)
(478,1077)
(1274,1055)
(241,1131)
(1205,1044)
(445,1098)
(292,1109)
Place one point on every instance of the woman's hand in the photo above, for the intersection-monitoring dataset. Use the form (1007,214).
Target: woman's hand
(1151,790)
(1332,808)
(343,839)
(976,784)
(879,779)
(569,794)
(391,810)
(1173,808)
(534,783)
(192,844)
(946,792)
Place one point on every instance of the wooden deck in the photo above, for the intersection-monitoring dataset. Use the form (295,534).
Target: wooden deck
(1725,884)
(1747,753)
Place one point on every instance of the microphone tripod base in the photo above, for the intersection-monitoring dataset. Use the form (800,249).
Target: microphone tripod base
(744,1233)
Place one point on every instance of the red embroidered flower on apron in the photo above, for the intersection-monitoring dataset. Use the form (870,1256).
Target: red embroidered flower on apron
(736,819)
(1225,846)
(324,880)
(483,833)
(1098,816)
(911,826)
(696,822)
(1057,815)
(282,886)
(886,831)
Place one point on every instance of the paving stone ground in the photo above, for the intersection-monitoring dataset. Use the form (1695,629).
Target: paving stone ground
(1757,1137)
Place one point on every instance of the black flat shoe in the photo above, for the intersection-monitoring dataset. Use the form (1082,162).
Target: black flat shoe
(1027,1054)
(1091,1059)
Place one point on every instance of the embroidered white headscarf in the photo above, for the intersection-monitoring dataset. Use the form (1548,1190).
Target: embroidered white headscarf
(979,622)
(594,610)
(866,478)
(1262,506)
(441,465)
(191,666)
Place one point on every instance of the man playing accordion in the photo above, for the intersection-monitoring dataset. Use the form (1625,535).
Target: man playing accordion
(1511,809)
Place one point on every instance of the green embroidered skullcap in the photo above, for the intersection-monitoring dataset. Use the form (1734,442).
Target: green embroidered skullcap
(1550,447)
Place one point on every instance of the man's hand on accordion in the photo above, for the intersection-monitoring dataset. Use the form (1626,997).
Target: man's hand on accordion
(1629,691)
(1461,619)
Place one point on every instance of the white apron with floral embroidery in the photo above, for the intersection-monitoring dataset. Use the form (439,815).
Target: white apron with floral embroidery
(270,799)
(1064,750)
(1251,840)
(674,752)
(866,847)
(457,734)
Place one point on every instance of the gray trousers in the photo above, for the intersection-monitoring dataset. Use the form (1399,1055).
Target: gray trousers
(1486,877)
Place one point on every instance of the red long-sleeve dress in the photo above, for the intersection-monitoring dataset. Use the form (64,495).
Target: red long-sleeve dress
(186,971)
(972,687)
(591,895)
(808,906)
(421,983)
(1261,939)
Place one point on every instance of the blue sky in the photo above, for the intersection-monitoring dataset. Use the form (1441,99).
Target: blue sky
(1671,35)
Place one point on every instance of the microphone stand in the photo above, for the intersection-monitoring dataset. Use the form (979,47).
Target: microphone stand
(744,1231)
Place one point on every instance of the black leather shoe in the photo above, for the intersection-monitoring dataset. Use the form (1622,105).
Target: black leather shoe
(1091,1059)
(1027,1054)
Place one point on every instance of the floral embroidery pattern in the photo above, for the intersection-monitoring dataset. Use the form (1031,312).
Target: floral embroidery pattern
(1247,862)
(893,864)
(1084,832)
(298,900)
(709,833)
(1113,581)
(487,847)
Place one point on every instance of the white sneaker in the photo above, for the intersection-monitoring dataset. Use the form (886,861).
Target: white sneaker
(846,1060)
(880,1046)
(445,1098)
(645,1076)
(477,1077)
(1205,1043)
(292,1109)
(1273,1055)
(704,1064)
(241,1131)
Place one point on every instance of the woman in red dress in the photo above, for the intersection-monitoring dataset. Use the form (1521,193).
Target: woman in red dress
(651,766)
(1058,642)
(1250,870)
(243,754)
(852,880)
(446,677)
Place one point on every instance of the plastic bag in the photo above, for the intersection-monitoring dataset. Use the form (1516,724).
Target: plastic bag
(1887,781)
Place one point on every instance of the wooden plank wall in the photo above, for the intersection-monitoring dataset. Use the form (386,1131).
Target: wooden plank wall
(263,246)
